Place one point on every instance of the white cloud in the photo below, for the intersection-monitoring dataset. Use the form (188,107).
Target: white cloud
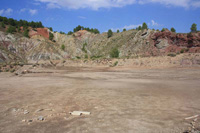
(6,12)
(126,27)
(1,12)
(22,10)
(96,4)
(154,23)
(196,4)
(33,11)
(81,17)
(92,4)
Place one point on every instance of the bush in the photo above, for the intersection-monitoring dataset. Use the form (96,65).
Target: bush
(83,48)
(63,47)
(26,33)
(115,64)
(110,33)
(194,28)
(171,54)
(124,29)
(70,33)
(86,56)
(78,57)
(173,30)
(11,29)
(51,36)
(182,51)
(117,31)
(50,28)
(3,25)
(163,29)
(114,53)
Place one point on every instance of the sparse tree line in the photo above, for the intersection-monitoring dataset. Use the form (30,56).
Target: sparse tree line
(15,25)
(21,23)
(145,26)
(78,28)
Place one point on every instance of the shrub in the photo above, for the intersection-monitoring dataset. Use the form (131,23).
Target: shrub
(50,28)
(114,53)
(182,51)
(110,33)
(173,30)
(124,29)
(117,31)
(83,48)
(78,57)
(26,33)
(86,56)
(194,28)
(171,54)
(51,36)
(70,33)
(11,29)
(63,47)
(115,64)
(163,29)
(3,25)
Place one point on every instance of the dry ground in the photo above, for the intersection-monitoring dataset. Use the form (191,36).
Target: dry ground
(120,100)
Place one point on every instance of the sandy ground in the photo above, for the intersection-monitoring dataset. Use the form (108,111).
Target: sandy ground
(120,100)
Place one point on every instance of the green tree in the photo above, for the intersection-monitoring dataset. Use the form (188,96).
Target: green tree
(114,53)
(11,29)
(96,31)
(194,28)
(124,29)
(117,31)
(3,25)
(18,29)
(110,33)
(26,31)
(50,28)
(173,30)
(51,36)
(144,26)
(163,29)
(140,28)
(70,33)
(63,47)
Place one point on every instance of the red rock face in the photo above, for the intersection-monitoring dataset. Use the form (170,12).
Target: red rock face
(39,31)
(177,42)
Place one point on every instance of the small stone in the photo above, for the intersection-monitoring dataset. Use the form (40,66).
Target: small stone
(48,109)
(30,120)
(39,110)
(26,112)
(23,120)
(40,118)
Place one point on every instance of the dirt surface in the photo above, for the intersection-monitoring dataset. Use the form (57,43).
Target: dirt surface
(120,100)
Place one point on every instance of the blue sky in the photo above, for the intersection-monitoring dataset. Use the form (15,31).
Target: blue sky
(64,15)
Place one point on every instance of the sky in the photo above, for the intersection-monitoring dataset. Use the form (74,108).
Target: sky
(65,15)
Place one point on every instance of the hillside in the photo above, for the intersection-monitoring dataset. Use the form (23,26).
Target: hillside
(84,44)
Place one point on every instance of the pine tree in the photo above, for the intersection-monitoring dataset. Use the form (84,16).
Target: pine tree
(110,33)
(144,26)
(194,28)
(173,30)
